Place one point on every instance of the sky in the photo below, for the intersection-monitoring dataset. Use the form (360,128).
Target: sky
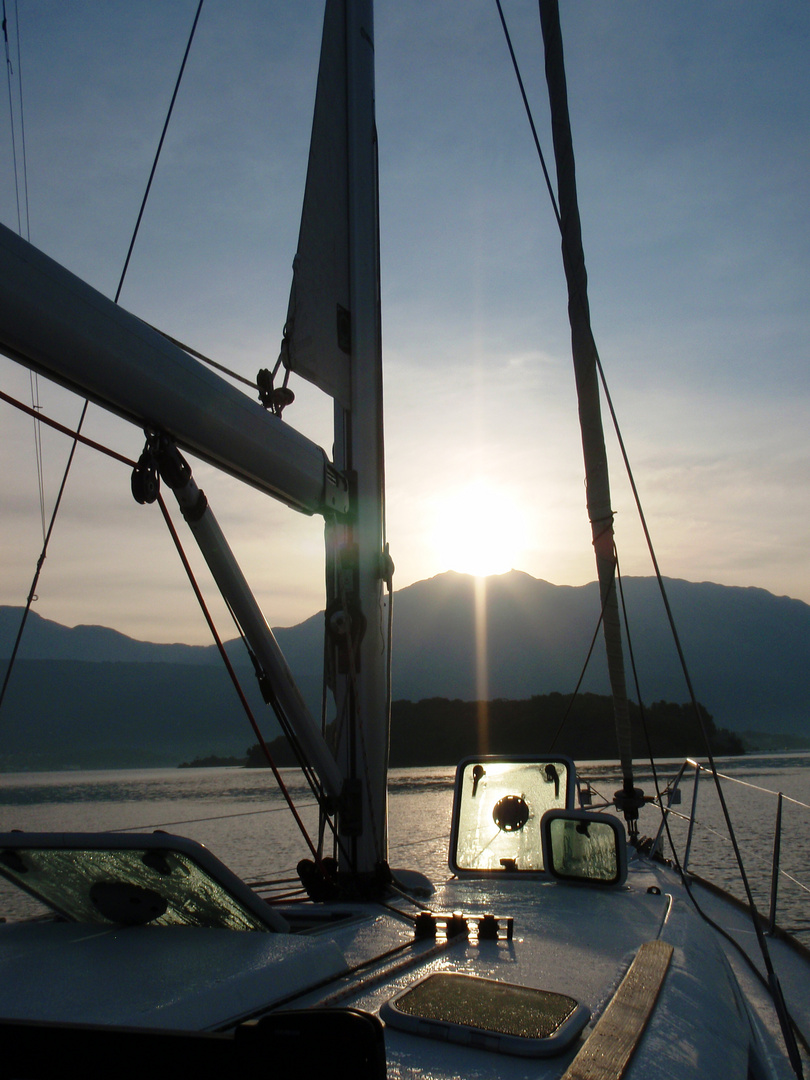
(690,125)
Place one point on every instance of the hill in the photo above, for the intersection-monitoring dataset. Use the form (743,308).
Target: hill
(747,650)
(89,695)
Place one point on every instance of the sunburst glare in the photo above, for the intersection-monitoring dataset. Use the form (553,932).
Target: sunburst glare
(479,529)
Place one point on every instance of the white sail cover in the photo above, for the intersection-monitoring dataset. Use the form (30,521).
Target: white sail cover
(317,339)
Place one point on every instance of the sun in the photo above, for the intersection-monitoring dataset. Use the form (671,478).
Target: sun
(478,529)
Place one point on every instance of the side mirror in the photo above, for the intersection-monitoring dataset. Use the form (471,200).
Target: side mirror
(580,846)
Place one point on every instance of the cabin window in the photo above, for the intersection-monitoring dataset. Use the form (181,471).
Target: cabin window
(131,879)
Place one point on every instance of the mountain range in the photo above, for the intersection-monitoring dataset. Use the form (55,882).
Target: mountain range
(90,696)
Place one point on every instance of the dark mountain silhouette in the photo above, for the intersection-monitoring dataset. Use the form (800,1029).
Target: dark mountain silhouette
(748,651)
(75,714)
(46,640)
(89,695)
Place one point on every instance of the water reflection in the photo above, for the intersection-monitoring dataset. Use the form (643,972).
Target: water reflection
(240,816)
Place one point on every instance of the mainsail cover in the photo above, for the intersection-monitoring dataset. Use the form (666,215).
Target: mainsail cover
(317,336)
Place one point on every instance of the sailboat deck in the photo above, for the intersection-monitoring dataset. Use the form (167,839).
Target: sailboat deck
(569,940)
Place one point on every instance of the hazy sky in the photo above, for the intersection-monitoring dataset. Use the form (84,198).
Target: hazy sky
(690,125)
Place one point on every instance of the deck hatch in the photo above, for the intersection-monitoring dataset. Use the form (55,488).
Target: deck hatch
(487,1015)
(497,809)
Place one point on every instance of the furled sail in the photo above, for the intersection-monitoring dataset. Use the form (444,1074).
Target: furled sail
(317,334)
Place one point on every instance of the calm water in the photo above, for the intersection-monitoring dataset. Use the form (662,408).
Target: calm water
(238,814)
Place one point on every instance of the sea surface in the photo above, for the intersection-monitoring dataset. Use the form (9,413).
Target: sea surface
(240,816)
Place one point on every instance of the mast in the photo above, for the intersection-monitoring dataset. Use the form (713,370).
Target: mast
(356,563)
(332,338)
(585,358)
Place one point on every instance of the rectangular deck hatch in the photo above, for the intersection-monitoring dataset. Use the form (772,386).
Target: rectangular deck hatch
(487,1015)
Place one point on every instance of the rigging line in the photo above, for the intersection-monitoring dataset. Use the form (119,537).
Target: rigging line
(790,1029)
(308,772)
(33,378)
(71,432)
(570,705)
(636,682)
(582,303)
(550,7)
(421,840)
(9,73)
(297,895)
(773,981)
(770,980)
(22,122)
(41,559)
(205,359)
(214,817)
(33,382)
(157,153)
(306,769)
(526,105)
(644,725)
(270,883)
(126,461)
(689,685)
(795,881)
(79,426)
(234,678)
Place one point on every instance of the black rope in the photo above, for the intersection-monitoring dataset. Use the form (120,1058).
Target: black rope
(12,126)
(157,154)
(527,107)
(206,359)
(631,653)
(573,697)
